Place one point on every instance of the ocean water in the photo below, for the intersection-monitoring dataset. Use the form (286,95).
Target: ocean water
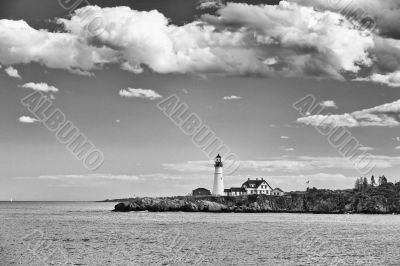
(85,233)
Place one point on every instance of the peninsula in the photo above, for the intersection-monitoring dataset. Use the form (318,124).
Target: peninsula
(382,199)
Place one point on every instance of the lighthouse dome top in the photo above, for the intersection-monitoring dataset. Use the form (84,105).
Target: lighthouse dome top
(218,161)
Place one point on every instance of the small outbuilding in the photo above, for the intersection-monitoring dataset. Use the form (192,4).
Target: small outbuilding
(201,192)
(277,192)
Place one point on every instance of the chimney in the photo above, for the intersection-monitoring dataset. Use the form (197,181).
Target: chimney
(248,179)
(257,178)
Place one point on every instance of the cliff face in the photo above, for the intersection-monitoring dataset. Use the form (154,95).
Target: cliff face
(312,201)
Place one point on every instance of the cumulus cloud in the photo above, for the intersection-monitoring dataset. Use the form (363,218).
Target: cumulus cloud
(82,72)
(384,17)
(385,13)
(305,41)
(27,120)
(386,115)
(291,39)
(271,61)
(207,4)
(43,87)
(329,104)
(21,44)
(136,69)
(12,72)
(139,93)
(233,97)
(242,39)
(390,79)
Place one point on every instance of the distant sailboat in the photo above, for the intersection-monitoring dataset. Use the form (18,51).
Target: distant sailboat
(11,200)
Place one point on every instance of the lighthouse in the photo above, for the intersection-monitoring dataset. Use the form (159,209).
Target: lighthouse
(218,189)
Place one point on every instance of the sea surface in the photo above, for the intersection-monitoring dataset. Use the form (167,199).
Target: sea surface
(88,233)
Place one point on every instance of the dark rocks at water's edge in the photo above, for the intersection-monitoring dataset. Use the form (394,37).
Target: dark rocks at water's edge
(171,204)
(310,201)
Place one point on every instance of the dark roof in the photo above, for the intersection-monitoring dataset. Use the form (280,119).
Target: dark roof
(257,183)
(234,189)
(237,189)
(278,189)
(218,156)
(202,189)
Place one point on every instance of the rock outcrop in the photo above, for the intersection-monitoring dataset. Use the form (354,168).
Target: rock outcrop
(310,201)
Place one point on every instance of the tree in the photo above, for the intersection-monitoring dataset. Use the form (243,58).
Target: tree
(360,184)
(357,185)
(384,180)
(364,184)
(373,183)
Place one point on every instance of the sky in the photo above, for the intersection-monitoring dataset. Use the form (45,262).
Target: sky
(239,66)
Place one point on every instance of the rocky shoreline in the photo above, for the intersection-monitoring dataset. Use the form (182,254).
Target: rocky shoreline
(310,201)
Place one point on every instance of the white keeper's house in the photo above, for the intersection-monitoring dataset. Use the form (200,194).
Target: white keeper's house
(254,186)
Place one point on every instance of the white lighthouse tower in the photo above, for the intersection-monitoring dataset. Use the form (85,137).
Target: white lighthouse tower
(218,189)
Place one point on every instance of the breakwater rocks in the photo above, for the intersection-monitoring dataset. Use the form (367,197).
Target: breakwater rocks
(311,201)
